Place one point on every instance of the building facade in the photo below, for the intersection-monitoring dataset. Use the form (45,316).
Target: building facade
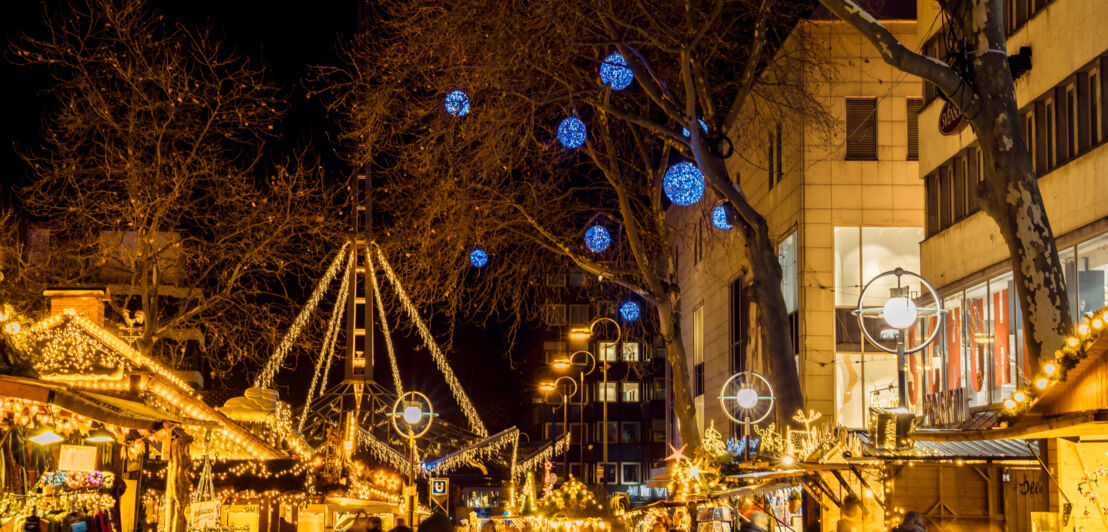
(839,185)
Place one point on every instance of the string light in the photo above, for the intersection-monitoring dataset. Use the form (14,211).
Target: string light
(597,238)
(397,383)
(571,132)
(719,218)
(457,103)
(477,452)
(558,448)
(615,73)
(331,338)
(683,184)
(629,310)
(478,258)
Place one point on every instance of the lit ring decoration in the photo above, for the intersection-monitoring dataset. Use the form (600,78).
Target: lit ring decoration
(571,132)
(683,184)
(751,395)
(685,131)
(871,312)
(457,103)
(478,258)
(719,218)
(597,238)
(615,73)
(629,310)
(416,422)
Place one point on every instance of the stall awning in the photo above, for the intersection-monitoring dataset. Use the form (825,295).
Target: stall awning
(925,449)
(118,412)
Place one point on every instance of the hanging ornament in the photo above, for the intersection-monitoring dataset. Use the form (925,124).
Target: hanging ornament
(719,218)
(597,238)
(571,132)
(685,131)
(457,103)
(683,183)
(614,72)
(478,258)
(629,310)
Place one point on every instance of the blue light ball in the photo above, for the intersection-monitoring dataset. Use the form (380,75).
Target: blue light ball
(686,132)
(478,258)
(614,72)
(571,132)
(457,103)
(683,184)
(629,310)
(719,218)
(597,238)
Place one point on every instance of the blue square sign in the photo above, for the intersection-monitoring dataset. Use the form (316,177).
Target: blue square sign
(439,486)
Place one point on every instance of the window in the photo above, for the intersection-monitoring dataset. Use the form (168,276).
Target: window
(863,253)
(658,389)
(959,181)
(946,195)
(1029,137)
(931,183)
(738,327)
(575,433)
(630,351)
(578,314)
(914,106)
(630,392)
(698,350)
(613,432)
(610,473)
(1095,130)
(577,277)
(786,256)
(608,352)
(631,473)
(555,279)
(553,350)
(631,432)
(1073,133)
(555,314)
(605,308)
(606,392)
(1050,134)
(861,129)
(698,243)
(863,381)
(773,157)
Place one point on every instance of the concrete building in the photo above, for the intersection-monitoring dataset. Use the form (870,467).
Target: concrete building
(839,185)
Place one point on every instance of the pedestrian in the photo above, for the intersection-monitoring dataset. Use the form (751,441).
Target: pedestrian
(852,515)
(759,522)
(912,522)
(400,526)
(436,522)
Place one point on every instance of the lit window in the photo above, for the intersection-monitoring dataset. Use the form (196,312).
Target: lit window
(630,392)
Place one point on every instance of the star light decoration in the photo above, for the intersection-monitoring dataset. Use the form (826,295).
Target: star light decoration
(478,258)
(719,218)
(457,103)
(571,132)
(597,238)
(689,477)
(683,184)
(615,73)
(629,311)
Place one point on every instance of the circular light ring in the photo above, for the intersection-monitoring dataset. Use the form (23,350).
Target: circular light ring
(934,295)
(597,238)
(571,132)
(629,310)
(685,131)
(900,312)
(615,73)
(747,382)
(683,184)
(410,400)
(478,258)
(747,398)
(719,218)
(412,414)
(457,103)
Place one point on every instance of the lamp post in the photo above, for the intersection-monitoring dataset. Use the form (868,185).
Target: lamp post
(584,333)
(900,312)
(411,417)
(590,361)
(550,386)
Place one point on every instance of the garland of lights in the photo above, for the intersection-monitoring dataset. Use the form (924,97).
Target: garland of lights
(456,389)
(328,348)
(265,378)
(559,447)
(481,450)
(381,451)
(1051,373)
(384,324)
(571,499)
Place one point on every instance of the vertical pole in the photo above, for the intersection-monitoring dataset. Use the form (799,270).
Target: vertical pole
(902,369)
(411,479)
(565,430)
(581,445)
(605,431)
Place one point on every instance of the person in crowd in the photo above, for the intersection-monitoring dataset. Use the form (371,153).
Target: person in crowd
(759,522)
(400,526)
(852,515)
(374,524)
(436,522)
(912,522)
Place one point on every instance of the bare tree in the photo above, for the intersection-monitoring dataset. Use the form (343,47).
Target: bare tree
(983,90)
(497,177)
(153,178)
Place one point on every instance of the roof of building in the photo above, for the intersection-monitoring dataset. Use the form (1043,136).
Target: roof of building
(953,450)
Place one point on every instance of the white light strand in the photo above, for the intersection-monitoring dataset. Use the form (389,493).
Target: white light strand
(482,450)
(382,451)
(265,378)
(327,350)
(384,324)
(559,447)
(456,389)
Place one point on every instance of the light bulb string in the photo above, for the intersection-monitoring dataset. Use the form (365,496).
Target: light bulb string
(384,323)
(327,350)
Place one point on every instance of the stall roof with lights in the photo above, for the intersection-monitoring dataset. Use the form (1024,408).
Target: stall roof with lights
(118,412)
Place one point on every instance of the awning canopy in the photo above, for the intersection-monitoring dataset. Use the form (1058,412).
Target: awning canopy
(118,412)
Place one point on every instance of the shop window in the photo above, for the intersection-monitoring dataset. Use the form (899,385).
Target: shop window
(632,473)
(861,129)
(863,253)
(977,346)
(1092,258)
(914,105)
(631,432)
(863,381)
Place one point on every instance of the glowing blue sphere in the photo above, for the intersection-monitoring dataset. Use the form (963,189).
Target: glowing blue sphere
(571,132)
(614,72)
(686,132)
(719,217)
(457,103)
(629,310)
(478,257)
(683,184)
(597,238)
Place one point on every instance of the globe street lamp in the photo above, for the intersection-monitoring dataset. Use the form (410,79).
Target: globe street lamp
(548,386)
(590,361)
(901,313)
(747,398)
(584,333)
(411,417)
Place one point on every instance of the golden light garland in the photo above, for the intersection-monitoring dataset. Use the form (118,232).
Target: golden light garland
(327,349)
(381,451)
(559,447)
(482,450)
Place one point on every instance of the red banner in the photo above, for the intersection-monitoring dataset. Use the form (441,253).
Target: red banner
(954,349)
(1001,347)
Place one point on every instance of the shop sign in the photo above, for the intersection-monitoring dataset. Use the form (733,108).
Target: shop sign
(204,514)
(77,458)
(951,120)
(946,407)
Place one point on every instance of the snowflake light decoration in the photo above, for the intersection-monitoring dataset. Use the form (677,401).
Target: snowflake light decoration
(629,310)
(597,238)
(685,131)
(683,184)
(571,132)
(719,218)
(615,73)
(478,258)
(457,103)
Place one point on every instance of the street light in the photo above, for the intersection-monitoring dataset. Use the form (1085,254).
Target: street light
(548,386)
(414,410)
(900,312)
(584,333)
(590,361)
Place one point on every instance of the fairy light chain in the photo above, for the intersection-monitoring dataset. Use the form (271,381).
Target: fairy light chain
(561,445)
(481,450)
(327,350)
(448,374)
(384,324)
(265,378)
(381,450)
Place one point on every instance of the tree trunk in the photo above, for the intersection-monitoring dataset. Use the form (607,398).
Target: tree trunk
(678,362)
(177,485)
